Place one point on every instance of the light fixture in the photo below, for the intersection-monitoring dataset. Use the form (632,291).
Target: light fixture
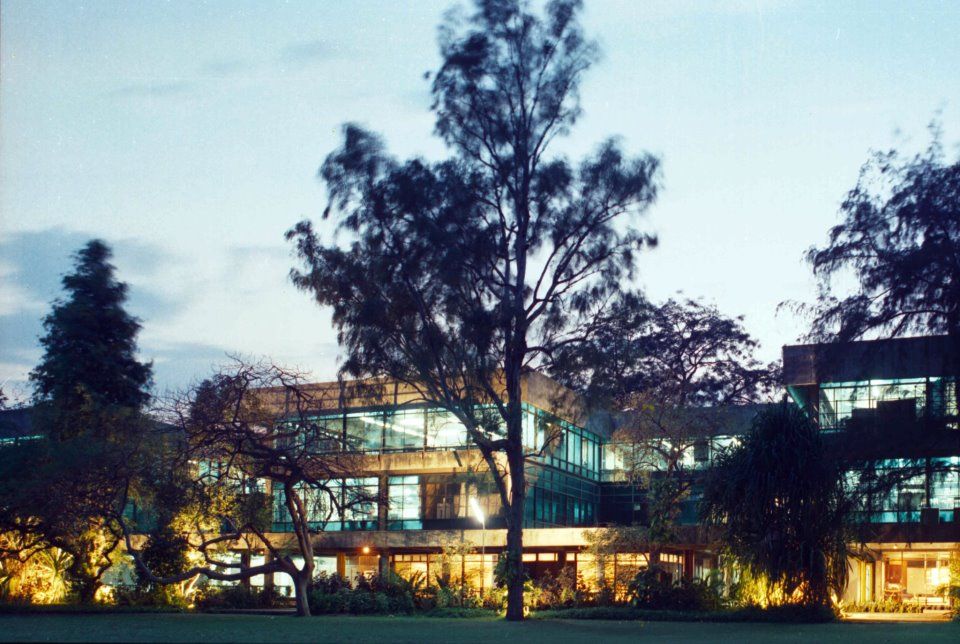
(366,550)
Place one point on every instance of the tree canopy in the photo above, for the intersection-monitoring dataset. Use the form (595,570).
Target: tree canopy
(250,447)
(457,275)
(682,353)
(900,241)
(90,342)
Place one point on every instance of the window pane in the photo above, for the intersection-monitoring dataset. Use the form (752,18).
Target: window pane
(404,430)
(364,432)
(445,430)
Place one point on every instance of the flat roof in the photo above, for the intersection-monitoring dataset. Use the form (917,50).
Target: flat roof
(912,357)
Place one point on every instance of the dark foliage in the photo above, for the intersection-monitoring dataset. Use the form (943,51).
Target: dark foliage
(90,343)
(674,371)
(66,489)
(238,596)
(781,507)
(900,237)
(679,353)
(377,594)
(456,276)
(652,590)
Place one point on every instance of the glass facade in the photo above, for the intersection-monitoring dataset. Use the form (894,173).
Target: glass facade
(563,475)
(553,441)
(404,512)
(556,498)
(843,402)
(913,481)
(345,504)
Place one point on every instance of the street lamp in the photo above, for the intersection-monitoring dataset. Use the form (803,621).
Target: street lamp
(478,515)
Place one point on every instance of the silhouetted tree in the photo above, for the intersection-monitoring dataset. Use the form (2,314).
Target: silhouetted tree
(681,353)
(781,507)
(900,240)
(90,345)
(461,274)
(673,371)
(64,489)
(249,440)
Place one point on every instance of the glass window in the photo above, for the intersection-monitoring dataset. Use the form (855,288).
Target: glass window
(404,502)
(360,499)
(364,432)
(842,401)
(444,429)
(404,430)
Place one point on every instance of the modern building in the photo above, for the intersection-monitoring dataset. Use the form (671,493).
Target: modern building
(433,487)
(422,499)
(891,406)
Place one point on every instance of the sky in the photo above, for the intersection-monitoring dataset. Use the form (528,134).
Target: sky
(188,136)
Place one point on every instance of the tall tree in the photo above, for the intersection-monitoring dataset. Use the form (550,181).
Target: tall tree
(900,240)
(90,346)
(63,490)
(780,504)
(461,274)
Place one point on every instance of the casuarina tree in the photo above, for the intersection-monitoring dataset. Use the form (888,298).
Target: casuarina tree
(456,276)
(900,241)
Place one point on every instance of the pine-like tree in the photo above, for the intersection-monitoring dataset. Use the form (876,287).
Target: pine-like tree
(67,490)
(90,361)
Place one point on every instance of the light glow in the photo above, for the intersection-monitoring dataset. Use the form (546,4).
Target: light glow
(477,510)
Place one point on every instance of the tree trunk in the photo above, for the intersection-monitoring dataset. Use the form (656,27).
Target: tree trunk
(83,582)
(301,591)
(87,590)
(515,573)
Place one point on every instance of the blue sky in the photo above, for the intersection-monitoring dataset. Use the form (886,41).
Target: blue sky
(188,135)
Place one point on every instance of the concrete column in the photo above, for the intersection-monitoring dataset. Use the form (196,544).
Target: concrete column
(688,564)
(383,507)
(342,564)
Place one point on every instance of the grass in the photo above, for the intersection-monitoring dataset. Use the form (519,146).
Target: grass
(212,629)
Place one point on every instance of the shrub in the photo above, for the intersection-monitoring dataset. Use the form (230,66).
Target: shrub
(330,603)
(883,606)
(565,590)
(652,589)
(237,597)
(373,595)
(156,596)
(330,583)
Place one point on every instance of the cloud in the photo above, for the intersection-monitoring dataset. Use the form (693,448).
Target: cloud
(306,52)
(223,67)
(180,364)
(152,90)
(35,261)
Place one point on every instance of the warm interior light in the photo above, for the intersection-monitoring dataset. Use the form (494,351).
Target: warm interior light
(366,550)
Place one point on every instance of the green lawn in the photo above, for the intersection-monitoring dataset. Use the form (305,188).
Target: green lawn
(354,630)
